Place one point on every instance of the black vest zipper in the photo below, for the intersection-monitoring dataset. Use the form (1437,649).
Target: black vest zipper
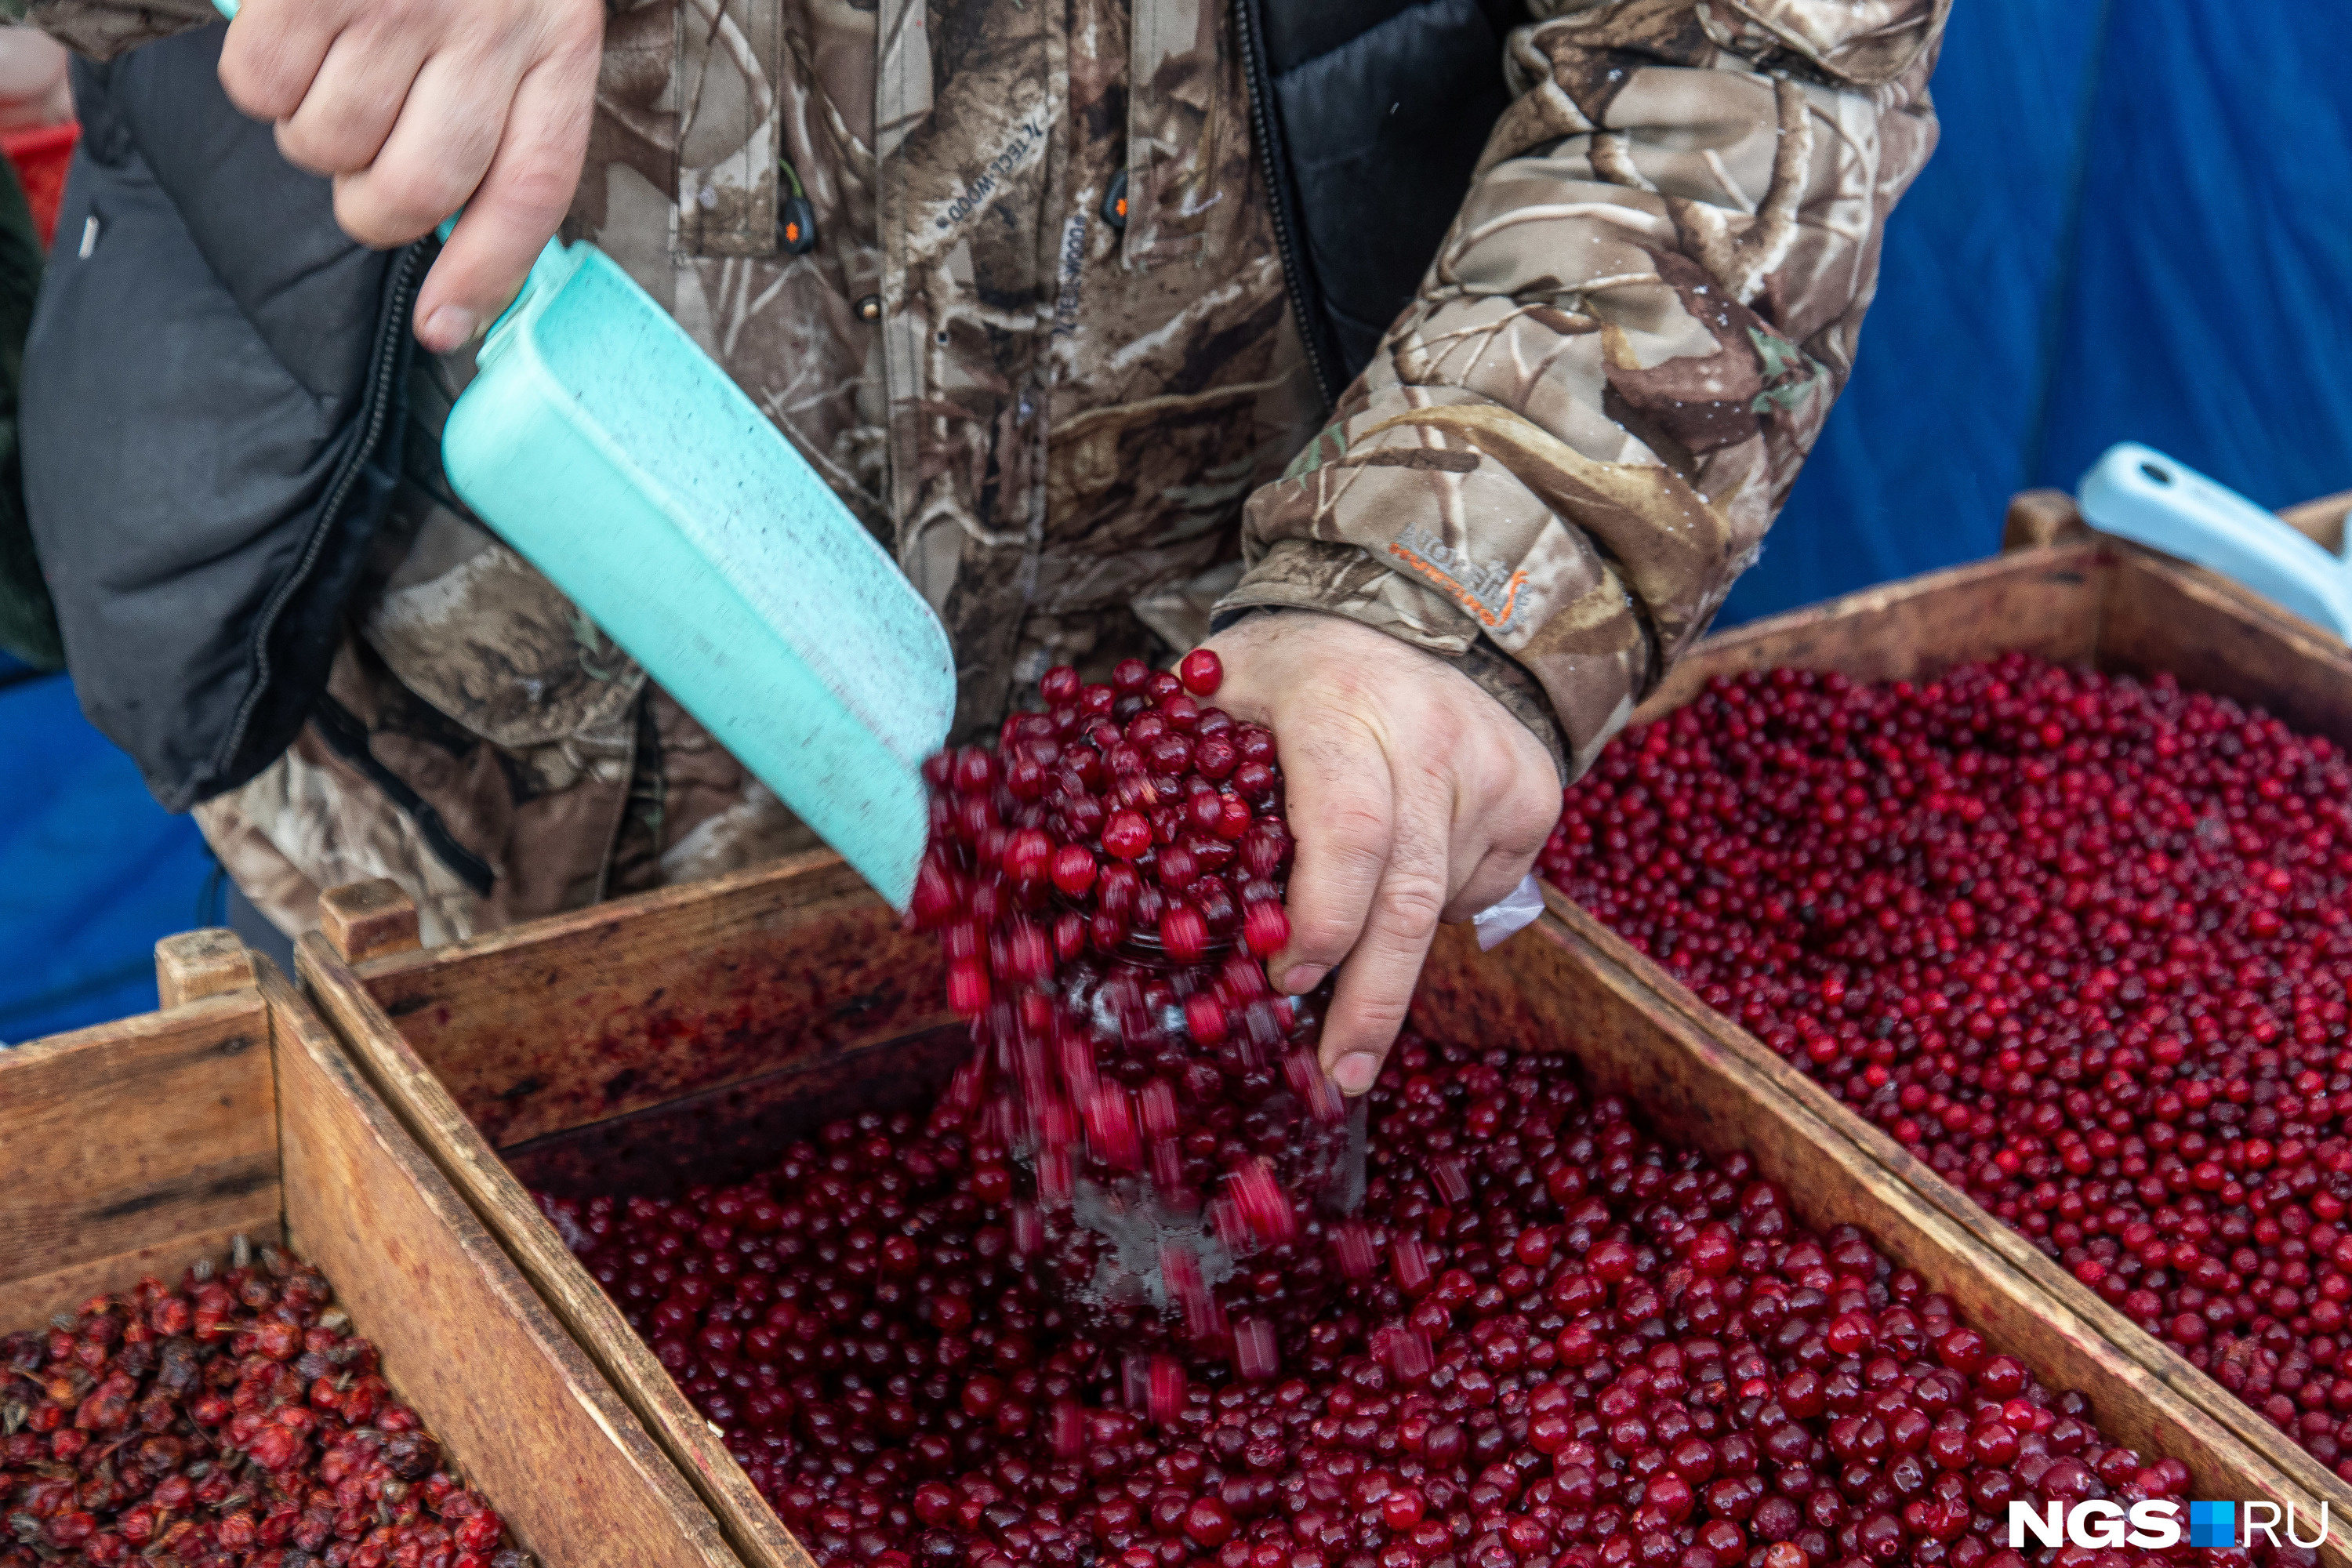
(1266,129)
(387,365)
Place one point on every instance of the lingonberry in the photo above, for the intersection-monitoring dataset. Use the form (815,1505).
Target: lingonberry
(1543,1377)
(2073,939)
(1201,671)
(1105,908)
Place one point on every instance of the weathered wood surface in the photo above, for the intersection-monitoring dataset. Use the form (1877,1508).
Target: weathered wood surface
(2038,518)
(2042,602)
(2320,521)
(121,1137)
(734,1131)
(2141,613)
(635,1003)
(200,964)
(434,1120)
(464,1339)
(369,920)
(2217,637)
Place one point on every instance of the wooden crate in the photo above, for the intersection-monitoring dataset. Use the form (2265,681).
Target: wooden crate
(2081,600)
(137,1147)
(627,1045)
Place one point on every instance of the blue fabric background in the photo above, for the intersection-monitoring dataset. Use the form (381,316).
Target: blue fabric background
(2138,225)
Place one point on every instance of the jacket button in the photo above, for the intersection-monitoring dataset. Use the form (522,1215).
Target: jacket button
(869,308)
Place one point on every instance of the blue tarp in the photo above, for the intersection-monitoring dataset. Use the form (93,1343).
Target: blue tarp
(92,872)
(2138,225)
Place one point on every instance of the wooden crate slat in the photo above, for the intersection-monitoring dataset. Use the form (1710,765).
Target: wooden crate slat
(28,1301)
(115,1137)
(2218,637)
(2041,602)
(433,1117)
(493,1374)
(583,1017)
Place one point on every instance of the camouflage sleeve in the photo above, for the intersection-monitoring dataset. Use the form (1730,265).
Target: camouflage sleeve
(101,30)
(1571,443)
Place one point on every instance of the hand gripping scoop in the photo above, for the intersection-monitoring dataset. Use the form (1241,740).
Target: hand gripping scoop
(603,444)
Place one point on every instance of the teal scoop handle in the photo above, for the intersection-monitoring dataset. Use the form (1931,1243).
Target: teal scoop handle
(2136,493)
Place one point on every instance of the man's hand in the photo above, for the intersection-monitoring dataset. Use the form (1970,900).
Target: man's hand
(420,107)
(1414,796)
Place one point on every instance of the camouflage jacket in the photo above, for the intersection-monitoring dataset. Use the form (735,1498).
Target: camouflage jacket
(1081,440)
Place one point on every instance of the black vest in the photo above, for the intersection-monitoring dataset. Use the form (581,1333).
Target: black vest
(1369,116)
(215,379)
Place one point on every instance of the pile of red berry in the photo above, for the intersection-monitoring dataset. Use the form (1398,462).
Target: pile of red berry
(234,1422)
(2081,941)
(1576,1347)
(1107,886)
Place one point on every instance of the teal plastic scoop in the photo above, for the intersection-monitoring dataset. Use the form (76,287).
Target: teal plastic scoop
(605,446)
(2138,493)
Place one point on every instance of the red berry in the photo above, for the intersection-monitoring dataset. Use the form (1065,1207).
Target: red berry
(1265,929)
(1073,869)
(1201,671)
(1183,933)
(1208,1522)
(1127,835)
(1027,856)
(967,988)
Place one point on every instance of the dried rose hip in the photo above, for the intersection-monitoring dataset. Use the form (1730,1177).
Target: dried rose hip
(1582,1348)
(234,1422)
(2079,941)
(1105,902)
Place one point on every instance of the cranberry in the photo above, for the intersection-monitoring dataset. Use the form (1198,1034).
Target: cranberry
(1201,671)
(1265,929)
(2066,935)
(1541,1371)
(1104,931)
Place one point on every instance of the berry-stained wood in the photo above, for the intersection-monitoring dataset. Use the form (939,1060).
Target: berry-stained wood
(2084,600)
(133,1146)
(138,1147)
(424,1022)
(638,1037)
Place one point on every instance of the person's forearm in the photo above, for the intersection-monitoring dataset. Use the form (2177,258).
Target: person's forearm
(1569,447)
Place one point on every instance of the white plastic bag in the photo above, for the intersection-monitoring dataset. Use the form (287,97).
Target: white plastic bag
(1513,913)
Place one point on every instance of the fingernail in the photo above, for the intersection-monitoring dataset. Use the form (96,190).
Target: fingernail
(1356,1071)
(453,325)
(1303,978)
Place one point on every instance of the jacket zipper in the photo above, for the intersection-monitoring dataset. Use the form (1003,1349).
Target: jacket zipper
(386,363)
(1266,131)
